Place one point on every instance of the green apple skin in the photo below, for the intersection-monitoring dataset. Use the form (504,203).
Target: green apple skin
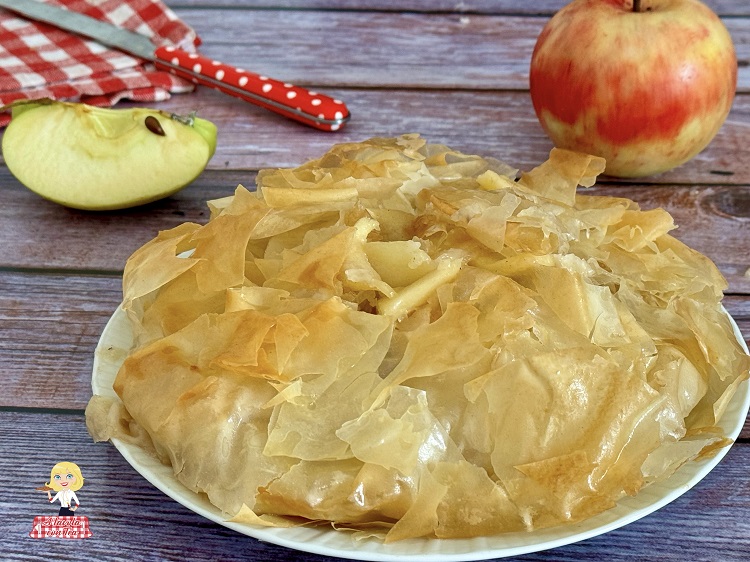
(646,90)
(99,159)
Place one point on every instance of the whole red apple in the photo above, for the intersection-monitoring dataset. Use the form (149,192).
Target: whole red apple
(646,87)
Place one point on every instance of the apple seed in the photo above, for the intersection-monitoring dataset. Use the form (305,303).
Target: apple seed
(153,125)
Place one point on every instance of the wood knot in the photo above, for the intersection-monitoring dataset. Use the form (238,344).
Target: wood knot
(730,201)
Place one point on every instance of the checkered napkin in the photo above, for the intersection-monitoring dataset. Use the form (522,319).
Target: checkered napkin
(38,60)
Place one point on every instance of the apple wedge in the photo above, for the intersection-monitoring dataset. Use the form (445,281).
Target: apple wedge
(100,159)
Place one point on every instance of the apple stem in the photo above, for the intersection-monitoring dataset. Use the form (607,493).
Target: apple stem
(636,5)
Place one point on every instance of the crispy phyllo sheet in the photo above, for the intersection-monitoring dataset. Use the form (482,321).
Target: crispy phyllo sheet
(402,341)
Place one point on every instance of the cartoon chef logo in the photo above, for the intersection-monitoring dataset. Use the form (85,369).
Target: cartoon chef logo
(65,480)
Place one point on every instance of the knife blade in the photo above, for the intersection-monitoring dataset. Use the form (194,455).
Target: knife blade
(295,102)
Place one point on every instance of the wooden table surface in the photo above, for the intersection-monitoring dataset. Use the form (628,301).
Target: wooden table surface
(456,72)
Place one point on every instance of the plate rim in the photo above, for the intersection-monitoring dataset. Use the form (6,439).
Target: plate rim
(161,477)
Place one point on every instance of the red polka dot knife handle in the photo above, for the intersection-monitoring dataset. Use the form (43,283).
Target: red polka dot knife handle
(300,104)
(297,103)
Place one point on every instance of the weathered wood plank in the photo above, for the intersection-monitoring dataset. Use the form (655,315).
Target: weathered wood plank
(455,71)
(386,49)
(114,498)
(499,7)
(40,234)
(45,235)
(131,519)
(499,124)
(49,329)
(50,325)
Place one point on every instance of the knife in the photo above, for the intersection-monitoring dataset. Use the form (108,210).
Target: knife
(294,102)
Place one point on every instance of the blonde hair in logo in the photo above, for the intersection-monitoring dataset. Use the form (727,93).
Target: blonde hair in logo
(63,469)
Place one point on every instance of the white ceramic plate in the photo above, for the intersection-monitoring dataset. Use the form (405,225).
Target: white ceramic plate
(114,345)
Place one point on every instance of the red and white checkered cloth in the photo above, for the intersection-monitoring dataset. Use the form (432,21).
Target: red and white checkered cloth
(60,527)
(38,60)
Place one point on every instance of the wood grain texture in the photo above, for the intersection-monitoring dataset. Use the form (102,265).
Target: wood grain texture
(50,326)
(455,71)
(712,219)
(499,124)
(386,49)
(115,498)
(499,7)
